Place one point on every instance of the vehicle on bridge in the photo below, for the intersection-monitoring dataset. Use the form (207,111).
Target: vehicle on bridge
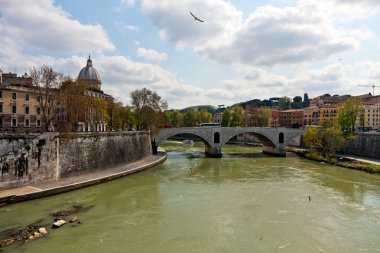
(210,125)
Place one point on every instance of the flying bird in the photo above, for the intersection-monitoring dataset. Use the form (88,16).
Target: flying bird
(196,17)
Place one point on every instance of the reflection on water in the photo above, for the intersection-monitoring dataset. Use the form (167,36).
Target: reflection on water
(243,202)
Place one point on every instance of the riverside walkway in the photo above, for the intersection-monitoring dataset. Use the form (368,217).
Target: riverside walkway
(34,191)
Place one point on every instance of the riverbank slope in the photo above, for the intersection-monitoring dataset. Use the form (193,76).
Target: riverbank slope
(342,160)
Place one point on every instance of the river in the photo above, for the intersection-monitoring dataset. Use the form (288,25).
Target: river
(242,202)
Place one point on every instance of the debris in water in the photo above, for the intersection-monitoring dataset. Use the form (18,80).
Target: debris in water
(58,223)
(77,208)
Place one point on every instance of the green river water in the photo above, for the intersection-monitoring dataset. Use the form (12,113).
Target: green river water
(242,202)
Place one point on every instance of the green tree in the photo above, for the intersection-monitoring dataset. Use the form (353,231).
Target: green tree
(167,117)
(100,107)
(297,99)
(226,118)
(191,118)
(327,137)
(306,101)
(177,119)
(349,114)
(312,137)
(148,108)
(204,116)
(264,116)
(237,117)
(284,103)
(124,118)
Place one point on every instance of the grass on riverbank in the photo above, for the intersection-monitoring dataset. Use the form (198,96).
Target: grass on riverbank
(338,161)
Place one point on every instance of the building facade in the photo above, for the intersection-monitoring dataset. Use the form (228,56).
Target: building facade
(21,105)
(20,109)
(291,118)
(372,116)
(93,120)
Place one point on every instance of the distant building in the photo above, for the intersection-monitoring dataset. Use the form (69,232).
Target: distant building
(93,120)
(275,120)
(218,117)
(372,116)
(311,115)
(90,76)
(291,118)
(19,104)
(328,113)
(369,99)
(327,99)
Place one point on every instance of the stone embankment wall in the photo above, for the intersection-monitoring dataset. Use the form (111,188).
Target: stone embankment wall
(13,141)
(80,153)
(366,144)
(51,156)
(35,161)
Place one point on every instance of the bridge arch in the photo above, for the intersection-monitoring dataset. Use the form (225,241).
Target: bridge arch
(262,137)
(205,137)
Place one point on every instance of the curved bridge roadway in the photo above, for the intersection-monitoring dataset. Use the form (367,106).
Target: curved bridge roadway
(274,140)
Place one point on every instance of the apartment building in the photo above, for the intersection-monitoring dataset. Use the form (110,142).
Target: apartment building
(19,104)
(372,116)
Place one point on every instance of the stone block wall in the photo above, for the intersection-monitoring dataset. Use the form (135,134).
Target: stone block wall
(14,141)
(34,162)
(366,144)
(86,152)
(51,156)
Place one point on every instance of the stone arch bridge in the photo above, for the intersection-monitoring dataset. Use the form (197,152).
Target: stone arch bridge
(274,140)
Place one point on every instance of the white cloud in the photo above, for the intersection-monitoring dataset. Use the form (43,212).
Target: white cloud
(150,54)
(41,24)
(269,35)
(175,22)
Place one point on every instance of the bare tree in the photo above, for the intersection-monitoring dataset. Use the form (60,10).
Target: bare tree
(47,83)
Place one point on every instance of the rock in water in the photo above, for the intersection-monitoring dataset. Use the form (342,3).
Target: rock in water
(43,231)
(74,219)
(37,234)
(58,223)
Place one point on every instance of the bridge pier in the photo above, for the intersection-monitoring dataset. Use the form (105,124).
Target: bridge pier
(214,151)
(279,151)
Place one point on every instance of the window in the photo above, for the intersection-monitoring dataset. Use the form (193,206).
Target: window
(1,107)
(26,97)
(14,122)
(1,94)
(14,108)
(26,109)
(38,110)
(1,122)
(27,122)
(38,123)
(14,95)
(38,98)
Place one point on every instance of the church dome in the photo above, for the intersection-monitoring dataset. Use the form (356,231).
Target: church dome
(90,75)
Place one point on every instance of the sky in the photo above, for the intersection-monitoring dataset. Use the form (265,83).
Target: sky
(244,49)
